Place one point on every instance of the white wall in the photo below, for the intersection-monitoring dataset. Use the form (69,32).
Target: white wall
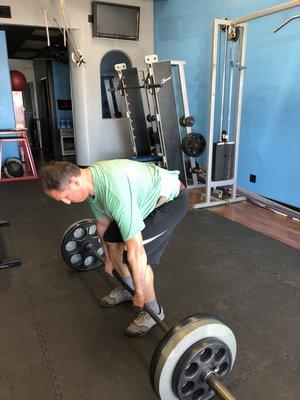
(24,66)
(96,138)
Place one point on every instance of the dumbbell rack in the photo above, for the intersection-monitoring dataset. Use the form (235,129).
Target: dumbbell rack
(19,137)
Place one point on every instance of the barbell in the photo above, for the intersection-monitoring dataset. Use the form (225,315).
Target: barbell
(194,358)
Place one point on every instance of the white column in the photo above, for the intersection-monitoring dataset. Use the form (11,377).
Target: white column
(79,102)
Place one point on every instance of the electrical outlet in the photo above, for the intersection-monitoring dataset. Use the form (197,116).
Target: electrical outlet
(252,178)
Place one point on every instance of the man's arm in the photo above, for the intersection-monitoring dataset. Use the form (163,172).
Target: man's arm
(137,260)
(102,224)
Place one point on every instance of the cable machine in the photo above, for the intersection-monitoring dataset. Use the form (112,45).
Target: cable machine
(228,59)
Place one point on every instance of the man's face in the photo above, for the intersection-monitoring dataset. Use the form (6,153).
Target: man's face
(73,192)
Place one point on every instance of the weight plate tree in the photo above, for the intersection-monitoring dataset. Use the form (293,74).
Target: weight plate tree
(193,359)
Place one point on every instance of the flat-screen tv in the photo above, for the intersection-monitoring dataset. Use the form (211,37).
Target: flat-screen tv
(115,21)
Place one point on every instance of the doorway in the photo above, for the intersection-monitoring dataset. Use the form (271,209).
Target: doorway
(112,103)
(47,96)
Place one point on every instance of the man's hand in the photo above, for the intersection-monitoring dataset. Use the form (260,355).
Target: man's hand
(108,267)
(139,300)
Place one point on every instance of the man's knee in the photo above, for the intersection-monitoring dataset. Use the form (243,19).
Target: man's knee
(114,248)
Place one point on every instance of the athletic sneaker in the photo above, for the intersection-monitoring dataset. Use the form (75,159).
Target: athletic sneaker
(142,324)
(116,296)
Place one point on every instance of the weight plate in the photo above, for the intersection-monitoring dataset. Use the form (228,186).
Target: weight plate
(208,354)
(180,339)
(186,121)
(193,144)
(74,246)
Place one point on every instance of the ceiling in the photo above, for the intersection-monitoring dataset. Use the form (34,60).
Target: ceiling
(29,42)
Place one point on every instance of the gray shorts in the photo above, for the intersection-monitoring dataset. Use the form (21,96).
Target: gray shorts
(159,225)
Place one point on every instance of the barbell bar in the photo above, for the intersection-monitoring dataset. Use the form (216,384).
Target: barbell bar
(153,315)
(193,359)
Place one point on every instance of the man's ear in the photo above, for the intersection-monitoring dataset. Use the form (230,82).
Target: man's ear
(73,180)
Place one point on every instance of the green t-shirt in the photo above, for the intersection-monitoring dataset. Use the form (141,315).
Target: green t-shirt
(127,191)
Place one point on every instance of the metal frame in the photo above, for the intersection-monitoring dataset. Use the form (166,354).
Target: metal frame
(183,90)
(239,22)
(20,137)
(209,200)
(120,68)
(150,60)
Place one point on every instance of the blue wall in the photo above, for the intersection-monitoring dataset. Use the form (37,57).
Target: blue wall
(61,82)
(7,118)
(270,131)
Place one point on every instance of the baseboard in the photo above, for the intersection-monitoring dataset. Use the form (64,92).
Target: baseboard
(269,204)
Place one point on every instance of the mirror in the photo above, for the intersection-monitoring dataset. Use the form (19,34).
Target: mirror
(112,102)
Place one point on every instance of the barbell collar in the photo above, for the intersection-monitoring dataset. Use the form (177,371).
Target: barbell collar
(220,390)
(149,310)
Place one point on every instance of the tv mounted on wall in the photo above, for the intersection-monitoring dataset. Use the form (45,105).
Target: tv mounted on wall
(115,21)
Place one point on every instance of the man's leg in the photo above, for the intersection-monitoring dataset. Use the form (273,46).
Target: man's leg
(158,229)
(150,297)
(116,251)
(119,294)
(142,324)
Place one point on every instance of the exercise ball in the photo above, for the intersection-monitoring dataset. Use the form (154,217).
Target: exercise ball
(18,80)
(13,167)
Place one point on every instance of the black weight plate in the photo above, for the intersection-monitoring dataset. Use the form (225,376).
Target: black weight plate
(74,246)
(209,354)
(193,144)
(186,121)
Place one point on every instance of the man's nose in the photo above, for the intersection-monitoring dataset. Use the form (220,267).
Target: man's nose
(66,201)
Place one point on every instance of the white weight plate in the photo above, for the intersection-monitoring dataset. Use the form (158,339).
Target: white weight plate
(182,341)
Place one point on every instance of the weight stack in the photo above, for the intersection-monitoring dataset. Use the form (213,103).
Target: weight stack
(223,161)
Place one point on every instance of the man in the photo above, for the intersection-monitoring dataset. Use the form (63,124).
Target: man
(136,206)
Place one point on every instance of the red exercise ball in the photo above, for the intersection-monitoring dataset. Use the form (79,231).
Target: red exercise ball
(18,80)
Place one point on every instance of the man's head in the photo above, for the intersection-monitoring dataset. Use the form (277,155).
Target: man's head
(64,181)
